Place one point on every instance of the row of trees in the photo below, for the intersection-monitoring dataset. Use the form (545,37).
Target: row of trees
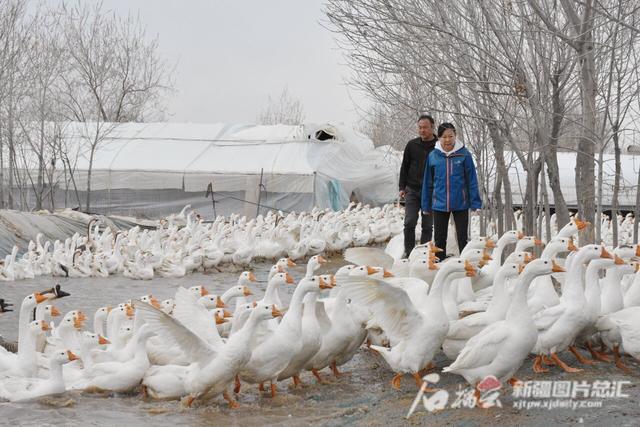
(73,62)
(528,76)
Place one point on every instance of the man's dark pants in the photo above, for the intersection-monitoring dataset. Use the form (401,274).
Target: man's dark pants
(412,201)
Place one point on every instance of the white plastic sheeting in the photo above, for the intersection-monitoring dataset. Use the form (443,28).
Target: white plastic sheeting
(152,169)
(630,167)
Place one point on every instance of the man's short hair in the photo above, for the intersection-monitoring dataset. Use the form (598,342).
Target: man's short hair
(426,117)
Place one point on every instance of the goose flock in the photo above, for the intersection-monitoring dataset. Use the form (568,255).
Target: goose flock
(487,310)
(184,243)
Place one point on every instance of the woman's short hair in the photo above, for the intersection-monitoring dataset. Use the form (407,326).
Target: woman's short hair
(444,126)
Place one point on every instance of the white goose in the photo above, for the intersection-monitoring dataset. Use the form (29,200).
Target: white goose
(274,354)
(559,325)
(24,389)
(120,377)
(460,331)
(501,348)
(415,333)
(311,332)
(211,369)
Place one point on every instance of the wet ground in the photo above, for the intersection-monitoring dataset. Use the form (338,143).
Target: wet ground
(361,397)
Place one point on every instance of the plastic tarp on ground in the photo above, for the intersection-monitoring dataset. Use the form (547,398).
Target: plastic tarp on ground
(18,228)
(152,169)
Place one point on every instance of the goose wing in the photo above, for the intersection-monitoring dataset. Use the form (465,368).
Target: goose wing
(196,317)
(390,306)
(369,256)
(177,334)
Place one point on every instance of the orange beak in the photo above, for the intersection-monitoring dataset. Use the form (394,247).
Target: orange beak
(246,291)
(520,268)
(490,244)
(77,322)
(254,304)
(468,267)
(605,254)
(155,302)
(433,265)
(434,248)
(219,320)
(556,268)
(387,273)
(325,285)
(637,267)
(321,259)
(482,263)
(290,263)
(54,311)
(371,270)
(72,356)
(333,280)
(537,242)
(638,250)
(486,257)
(203,291)
(289,279)
(226,314)
(39,297)
(129,310)
(45,326)
(102,340)
(253,278)
(109,309)
(580,224)
(275,312)
(81,316)
(520,235)
(618,260)
(571,246)
(220,303)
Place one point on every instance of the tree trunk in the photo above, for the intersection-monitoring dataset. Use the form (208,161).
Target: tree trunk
(551,155)
(2,204)
(40,184)
(636,212)
(10,143)
(89,171)
(503,173)
(531,197)
(585,176)
(598,223)
(616,186)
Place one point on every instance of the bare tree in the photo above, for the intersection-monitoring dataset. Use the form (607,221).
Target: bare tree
(283,110)
(116,74)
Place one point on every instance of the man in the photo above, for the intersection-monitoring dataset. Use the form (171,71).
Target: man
(411,175)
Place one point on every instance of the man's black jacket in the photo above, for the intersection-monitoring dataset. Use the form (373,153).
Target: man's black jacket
(415,156)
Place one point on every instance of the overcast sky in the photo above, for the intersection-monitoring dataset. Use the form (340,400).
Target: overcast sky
(231,55)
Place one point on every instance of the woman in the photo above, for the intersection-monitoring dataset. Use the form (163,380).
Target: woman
(450,187)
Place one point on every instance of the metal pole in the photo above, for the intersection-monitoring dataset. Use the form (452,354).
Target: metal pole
(213,199)
(259,192)
(314,190)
